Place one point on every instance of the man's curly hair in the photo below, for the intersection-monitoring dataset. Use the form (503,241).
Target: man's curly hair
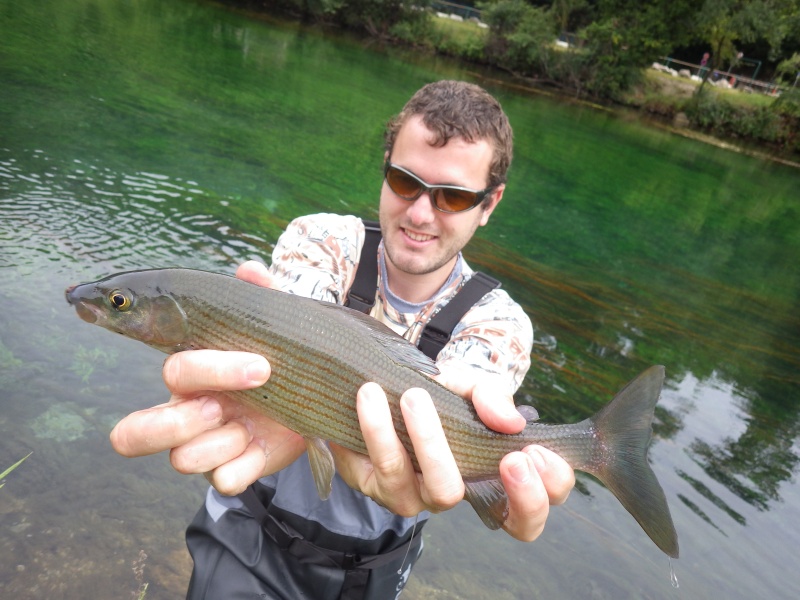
(459,109)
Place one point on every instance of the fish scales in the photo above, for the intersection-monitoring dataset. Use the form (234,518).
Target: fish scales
(320,354)
(299,372)
(319,368)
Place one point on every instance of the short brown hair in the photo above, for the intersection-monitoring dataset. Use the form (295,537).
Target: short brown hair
(459,109)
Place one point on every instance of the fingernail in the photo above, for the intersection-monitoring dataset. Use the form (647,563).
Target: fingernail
(537,457)
(415,401)
(368,393)
(211,410)
(251,427)
(257,372)
(520,468)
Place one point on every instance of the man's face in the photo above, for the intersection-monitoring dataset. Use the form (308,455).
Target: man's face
(419,239)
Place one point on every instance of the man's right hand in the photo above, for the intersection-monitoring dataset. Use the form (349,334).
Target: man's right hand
(204,431)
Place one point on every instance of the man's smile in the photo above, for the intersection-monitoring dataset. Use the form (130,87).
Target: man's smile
(418,237)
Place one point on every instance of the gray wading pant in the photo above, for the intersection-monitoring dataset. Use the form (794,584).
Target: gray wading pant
(238,558)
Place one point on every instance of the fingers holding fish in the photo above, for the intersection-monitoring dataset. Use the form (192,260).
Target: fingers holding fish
(187,373)
(165,426)
(534,479)
(232,477)
(528,502)
(213,448)
(387,475)
(442,486)
(269,447)
(495,409)
(557,476)
(255,272)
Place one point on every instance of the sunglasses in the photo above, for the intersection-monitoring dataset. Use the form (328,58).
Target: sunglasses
(446,198)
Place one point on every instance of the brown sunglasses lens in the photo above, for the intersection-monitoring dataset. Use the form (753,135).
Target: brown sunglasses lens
(403,184)
(454,200)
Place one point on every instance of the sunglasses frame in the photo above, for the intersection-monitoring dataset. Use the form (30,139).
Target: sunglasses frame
(425,187)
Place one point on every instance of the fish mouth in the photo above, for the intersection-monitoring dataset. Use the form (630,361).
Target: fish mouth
(86,311)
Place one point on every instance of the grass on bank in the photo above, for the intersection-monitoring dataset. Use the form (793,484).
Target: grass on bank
(465,39)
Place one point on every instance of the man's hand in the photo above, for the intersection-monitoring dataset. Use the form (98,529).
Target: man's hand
(534,478)
(204,431)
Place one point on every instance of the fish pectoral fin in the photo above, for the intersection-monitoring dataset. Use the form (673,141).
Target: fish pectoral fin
(322,465)
(488,498)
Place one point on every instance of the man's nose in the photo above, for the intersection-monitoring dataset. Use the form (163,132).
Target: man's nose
(421,209)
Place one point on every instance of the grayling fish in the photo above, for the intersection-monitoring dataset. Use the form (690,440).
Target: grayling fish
(321,354)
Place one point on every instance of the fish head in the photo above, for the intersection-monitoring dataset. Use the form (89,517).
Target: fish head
(136,305)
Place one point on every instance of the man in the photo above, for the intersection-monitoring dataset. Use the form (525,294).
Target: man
(446,159)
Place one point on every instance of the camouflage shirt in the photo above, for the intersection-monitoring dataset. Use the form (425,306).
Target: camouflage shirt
(317,256)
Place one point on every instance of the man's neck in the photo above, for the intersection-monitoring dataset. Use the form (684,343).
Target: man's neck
(417,288)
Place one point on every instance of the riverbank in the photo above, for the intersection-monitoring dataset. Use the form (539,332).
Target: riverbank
(751,124)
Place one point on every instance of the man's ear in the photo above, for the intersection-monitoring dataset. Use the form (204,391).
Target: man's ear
(495,198)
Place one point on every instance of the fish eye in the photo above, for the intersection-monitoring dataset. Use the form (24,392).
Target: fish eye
(119,300)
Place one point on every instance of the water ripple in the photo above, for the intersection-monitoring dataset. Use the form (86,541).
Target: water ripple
(88,218)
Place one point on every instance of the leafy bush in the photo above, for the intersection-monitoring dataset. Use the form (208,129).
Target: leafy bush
(611,66)
(520,37)
(380,17)
(777,123)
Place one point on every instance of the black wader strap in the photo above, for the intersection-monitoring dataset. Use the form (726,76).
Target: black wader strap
(361,296)
(356,566)
(439,329)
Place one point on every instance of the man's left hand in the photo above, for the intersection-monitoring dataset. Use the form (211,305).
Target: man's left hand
(534,478)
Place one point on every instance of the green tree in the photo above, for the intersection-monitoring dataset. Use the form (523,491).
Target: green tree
(521,38)
(380,17)
(724,24)
(788,70)
(563,10)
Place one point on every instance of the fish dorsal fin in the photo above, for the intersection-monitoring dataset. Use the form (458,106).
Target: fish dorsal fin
(322,465)
(488,498)
(396,347)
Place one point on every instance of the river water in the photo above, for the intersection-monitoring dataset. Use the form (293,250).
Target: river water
(153,133)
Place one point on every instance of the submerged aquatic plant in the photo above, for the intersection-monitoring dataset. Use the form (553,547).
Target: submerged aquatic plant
(5,473)
(85,361)
(138,572)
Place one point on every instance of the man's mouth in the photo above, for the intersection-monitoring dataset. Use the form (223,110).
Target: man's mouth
(418,237)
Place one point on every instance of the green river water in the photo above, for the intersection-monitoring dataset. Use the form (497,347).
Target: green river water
(153,133)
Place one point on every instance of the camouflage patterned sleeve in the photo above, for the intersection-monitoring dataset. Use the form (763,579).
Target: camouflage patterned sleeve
(317,256)
(495,336)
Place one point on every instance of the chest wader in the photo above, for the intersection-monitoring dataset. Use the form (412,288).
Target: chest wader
(434,337)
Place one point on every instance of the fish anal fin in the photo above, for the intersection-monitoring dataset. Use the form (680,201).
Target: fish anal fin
(322,465)
(488,498)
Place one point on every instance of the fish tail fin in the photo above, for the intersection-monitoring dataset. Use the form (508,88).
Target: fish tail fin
(624,427)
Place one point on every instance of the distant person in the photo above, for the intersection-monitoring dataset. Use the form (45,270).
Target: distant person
(703,62)
(446,158)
